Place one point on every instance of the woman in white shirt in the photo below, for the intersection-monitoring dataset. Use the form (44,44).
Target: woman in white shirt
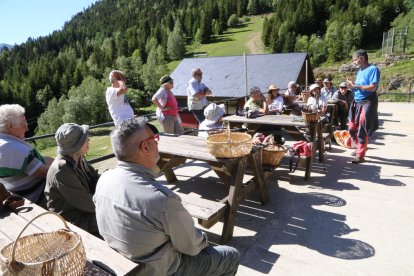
(317,101)
(274,100)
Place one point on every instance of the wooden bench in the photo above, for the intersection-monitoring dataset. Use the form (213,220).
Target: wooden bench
(97,251)
(207,212)
(175,150)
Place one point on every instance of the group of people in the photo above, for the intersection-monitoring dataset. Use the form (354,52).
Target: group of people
(137,216)
(126,206)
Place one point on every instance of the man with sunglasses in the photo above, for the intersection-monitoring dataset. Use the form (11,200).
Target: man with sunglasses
(144,220)
(196,95)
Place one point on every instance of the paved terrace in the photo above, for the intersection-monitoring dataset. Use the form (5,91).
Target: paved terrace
(347,220)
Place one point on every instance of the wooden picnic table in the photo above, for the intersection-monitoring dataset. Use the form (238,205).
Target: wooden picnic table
(175,150)
(292,125)
(101,259)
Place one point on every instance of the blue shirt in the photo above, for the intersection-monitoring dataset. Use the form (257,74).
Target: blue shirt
(366,76)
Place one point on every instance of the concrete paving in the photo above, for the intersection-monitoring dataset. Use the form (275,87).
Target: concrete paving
(348,220)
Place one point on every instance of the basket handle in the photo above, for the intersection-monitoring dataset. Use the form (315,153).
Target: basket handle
(27,225)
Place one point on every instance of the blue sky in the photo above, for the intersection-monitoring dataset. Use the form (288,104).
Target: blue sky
(21,19)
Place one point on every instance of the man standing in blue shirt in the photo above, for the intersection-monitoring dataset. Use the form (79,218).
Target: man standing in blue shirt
(363,114)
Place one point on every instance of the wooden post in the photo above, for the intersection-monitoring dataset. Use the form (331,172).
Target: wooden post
(245,75)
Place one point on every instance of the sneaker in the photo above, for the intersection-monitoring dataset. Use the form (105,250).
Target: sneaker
(358,160)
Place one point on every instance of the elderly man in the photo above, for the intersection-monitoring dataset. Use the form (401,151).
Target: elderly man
(328,89)
(196,95)
(146,221)
(22,169)
(116,99)
(363,113)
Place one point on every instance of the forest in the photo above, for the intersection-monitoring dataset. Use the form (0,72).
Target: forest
(62,77)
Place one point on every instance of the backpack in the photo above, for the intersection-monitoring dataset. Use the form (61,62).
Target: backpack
(298,149)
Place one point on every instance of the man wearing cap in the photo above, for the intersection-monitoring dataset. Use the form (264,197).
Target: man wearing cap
(213,113)
(22,168)
(196,95)
(116,99)
(147,222)
(167,106)
(328,90)
(363,113)
(344,96)
(71,180)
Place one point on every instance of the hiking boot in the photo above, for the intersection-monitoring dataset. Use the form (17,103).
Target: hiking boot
(358,160)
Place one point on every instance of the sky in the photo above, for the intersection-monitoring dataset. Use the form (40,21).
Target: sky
(21,19)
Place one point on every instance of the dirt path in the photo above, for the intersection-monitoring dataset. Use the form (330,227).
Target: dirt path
(254,44)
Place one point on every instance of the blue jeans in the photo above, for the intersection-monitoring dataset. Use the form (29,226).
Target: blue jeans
(199,114)
(212,260)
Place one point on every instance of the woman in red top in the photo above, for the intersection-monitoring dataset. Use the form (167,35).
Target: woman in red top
(167,107)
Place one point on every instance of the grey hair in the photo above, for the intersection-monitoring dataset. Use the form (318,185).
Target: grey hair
(255,89)
(361,53)
(194,71)
(127,137)
(9,114)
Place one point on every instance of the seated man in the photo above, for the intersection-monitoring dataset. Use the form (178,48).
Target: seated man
(257,102)
(71,180)
(213,113)
(22,169)
(144,220)
(344,96)
(290,97)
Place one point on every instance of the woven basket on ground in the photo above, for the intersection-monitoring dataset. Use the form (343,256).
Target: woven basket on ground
(54,253)
(229,145)
(310,117)
(273,154)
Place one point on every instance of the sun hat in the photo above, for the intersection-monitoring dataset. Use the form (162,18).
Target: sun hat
(165,79)
(213,112)
(343,84)
(71,137)
(313,86)
(272,87)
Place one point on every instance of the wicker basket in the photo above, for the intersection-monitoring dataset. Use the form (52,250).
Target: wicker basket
(310,117)
(54,253)
(229,145)
(305,96)
(273,154)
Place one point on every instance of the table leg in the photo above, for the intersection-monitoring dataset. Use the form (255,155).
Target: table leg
(166,165)
(259,181)
(321,145)
(237,173)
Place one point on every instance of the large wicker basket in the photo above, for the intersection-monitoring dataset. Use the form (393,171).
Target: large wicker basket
(273,154)
(229,144)
(54,253)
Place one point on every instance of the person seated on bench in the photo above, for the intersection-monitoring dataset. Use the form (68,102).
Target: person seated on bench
(22,168)
(274,99)
(144,220)
(213,113)
(290,96)
(257,104)
(345,98)
(71,180)
(317,102)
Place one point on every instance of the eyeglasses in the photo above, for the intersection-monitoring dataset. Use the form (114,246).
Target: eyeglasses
(155,137)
